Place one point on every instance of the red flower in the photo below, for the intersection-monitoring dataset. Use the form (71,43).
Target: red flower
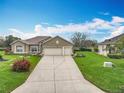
(21,65)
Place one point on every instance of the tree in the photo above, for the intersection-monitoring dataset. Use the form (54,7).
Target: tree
(120,44)
(90,43)
(9,39)
(1,41)
(78,39)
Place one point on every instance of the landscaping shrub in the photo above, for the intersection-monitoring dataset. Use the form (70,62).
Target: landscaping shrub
(116,56)
(1,57)
(7,51)
(1,49)
(96,50)
(85,49)
(21,65)
(79,55)
(122,51)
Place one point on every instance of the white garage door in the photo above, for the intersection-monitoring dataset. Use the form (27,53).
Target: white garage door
(67,51)
(53,51)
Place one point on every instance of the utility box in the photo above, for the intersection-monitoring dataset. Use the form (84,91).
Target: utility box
(108,64)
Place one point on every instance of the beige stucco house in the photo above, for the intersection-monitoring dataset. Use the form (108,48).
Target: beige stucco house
(45,45)
(109,45)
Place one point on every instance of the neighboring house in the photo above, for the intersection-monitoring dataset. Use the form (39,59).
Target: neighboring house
(45,45)
(108,46)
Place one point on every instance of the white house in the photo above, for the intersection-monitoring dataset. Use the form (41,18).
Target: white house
(108,46)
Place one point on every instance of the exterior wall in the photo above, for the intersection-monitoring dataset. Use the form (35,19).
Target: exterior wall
(63,45)
(102,50)
(12,48)
(25,47)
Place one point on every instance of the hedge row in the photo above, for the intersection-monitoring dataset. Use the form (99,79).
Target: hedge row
(85,49)
(116,56)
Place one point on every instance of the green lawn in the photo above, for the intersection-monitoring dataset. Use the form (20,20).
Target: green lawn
(9,80)
(110,80)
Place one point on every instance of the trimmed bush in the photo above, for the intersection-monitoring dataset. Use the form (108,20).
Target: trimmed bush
(21,65)
(116,56)
(122,51)
(96,50)
(1,57)
(1,49)
(85,49)
(79,55)
(7,51)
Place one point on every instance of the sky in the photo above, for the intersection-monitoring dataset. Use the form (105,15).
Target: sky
(99,19)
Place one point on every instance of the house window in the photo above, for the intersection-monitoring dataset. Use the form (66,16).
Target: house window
(33,48)
(19,49)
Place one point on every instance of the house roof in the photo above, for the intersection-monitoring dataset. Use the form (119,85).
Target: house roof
(33,41)
(36,40)
(112,40)
(57,37)
(23,41)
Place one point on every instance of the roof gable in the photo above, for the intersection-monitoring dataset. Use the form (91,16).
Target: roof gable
(112,40)
(22,41)
(61,42)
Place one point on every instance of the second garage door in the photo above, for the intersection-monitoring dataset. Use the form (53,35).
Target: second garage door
(53,51)
(67,51)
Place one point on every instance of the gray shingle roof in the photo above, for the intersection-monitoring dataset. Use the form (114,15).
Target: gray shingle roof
(112,40)
(33,41)
(36,40)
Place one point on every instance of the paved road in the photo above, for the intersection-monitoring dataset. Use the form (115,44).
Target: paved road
(57,74)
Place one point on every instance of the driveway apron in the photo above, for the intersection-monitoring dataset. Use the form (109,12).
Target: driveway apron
(56,74)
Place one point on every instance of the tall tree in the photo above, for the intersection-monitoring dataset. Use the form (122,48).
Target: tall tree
(9,39)
(78,39)
(90,43)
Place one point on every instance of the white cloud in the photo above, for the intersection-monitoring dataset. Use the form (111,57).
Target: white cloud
(117,19)
(24,35)
(88,27)
(100,24)
(117,31)
(91,27)
(38,28)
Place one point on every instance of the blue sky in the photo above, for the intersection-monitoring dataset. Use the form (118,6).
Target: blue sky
(99,19)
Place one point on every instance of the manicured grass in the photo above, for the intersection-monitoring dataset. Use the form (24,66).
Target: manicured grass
(110,80)
(9,80)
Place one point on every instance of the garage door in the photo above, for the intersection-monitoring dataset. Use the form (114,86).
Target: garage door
(53,51)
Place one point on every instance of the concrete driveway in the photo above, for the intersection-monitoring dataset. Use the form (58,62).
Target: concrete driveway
(57,74)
